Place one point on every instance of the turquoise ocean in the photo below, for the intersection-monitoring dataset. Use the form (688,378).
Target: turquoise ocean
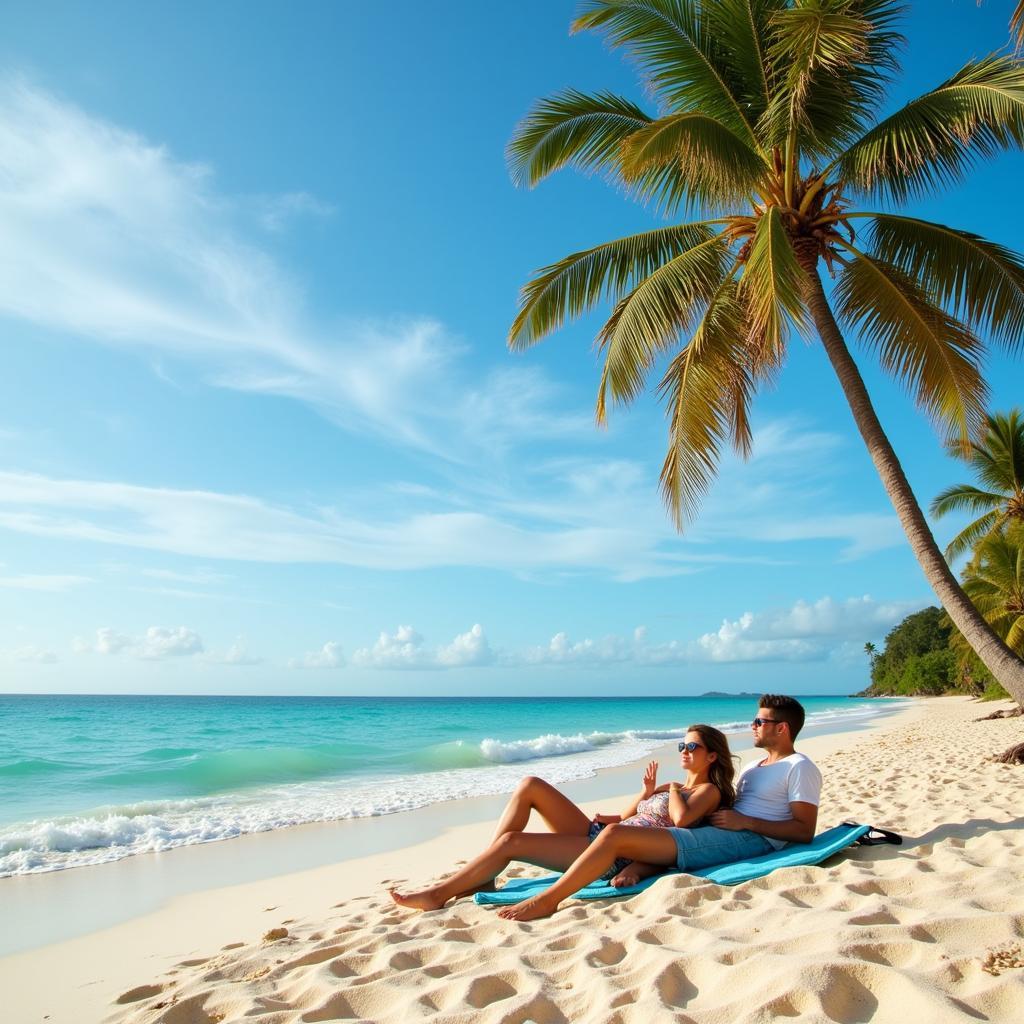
(91,779)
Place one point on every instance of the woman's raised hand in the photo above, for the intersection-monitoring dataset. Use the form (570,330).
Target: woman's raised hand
(607,819)
(650,779)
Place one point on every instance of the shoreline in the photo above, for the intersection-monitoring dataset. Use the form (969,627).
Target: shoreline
(240,909)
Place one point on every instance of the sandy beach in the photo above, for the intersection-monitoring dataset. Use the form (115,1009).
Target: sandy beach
(930,931)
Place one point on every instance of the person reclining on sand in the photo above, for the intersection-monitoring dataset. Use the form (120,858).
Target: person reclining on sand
(704,755)
(776,803)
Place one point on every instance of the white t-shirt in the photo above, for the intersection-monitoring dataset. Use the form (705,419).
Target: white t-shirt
(766,790)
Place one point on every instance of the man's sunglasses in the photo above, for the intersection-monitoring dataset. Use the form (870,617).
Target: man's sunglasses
(758,722)
(691,746)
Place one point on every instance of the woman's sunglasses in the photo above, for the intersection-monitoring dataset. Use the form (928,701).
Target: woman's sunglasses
(691,746)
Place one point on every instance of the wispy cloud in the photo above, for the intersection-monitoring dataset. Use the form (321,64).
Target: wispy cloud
(196,576)
(32,654)
(210,525)
(277,212)
(48,583)
(119,242)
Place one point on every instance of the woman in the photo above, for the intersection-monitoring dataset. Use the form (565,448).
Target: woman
(586,849)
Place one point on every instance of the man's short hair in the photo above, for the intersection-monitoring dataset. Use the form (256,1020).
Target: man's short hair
(787,709)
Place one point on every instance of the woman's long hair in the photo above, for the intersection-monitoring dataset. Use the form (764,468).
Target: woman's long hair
(723,769)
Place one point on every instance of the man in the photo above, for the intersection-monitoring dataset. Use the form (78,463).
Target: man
(776,797)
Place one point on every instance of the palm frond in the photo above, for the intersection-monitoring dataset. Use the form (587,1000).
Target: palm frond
(664,305)
(934,355)
(707,387)
(994,581)
(1017,24)
(833,59)
(715,166)
(998,456)
(672,43)
(980,281)
(572,128)
(772,285)
(999,459)
(971,534)
(935,139)
(965,498)
(579,282)
(741,28)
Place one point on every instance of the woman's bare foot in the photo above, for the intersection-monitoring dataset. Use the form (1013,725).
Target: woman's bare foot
(626,877)
(423,900)
(529,910)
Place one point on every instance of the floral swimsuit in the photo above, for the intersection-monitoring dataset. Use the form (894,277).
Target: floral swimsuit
(650,813)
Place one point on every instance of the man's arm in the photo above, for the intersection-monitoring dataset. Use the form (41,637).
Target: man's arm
(797,829)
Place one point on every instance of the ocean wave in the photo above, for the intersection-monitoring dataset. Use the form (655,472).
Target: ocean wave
(548,745)
(192,772)
(35,766)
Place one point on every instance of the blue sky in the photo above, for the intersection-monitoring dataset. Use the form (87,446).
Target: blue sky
(259,430)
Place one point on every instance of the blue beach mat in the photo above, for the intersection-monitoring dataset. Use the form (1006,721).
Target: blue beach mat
(822,847)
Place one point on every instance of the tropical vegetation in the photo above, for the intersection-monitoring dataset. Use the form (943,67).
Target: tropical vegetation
(767,155)
(917,659)
(998,462)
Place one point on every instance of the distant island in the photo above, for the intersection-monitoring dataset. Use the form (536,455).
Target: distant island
(717,693)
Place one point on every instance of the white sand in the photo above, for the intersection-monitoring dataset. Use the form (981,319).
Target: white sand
(885,934)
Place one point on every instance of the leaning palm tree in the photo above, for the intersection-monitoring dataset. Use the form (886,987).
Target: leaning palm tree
(764,132)
(998,462)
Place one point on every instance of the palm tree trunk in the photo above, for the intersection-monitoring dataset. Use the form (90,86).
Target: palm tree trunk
(1007,668)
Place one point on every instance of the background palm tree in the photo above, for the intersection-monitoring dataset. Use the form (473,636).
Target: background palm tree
(994,581)
(765,125)
(998,462)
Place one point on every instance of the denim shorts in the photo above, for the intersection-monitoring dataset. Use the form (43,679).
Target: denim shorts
(701,847)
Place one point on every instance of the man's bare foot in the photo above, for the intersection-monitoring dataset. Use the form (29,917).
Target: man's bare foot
(529,910)
(424,900)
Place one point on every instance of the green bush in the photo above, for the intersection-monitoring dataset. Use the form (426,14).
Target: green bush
(927,674)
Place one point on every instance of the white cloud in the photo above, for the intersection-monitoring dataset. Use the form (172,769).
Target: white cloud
(469,648)
(405,649)
(108,641)
(329,656)
(160,642)
(157,643)
(237,654)
(561,650)
(818,631)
